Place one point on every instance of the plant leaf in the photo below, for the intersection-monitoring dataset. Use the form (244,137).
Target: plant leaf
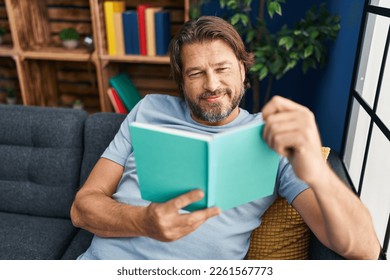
(235,19)
(256,67)
(278,8)
(290,65)
(293,55)
(263,73)
(286,41)
(308,51)
(250,36)
(244,19)
(317,53)
(314,34)
(232,4)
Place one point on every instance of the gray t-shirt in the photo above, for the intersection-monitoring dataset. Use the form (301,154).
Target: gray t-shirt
(223,237)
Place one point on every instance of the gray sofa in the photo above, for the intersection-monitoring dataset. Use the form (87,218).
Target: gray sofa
(45,155)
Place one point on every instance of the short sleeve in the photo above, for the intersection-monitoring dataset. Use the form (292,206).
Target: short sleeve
(288,185)
(120,147)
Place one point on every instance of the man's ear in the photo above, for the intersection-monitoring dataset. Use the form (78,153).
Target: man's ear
(242,71)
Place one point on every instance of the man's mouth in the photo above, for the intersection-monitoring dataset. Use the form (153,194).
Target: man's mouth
(213,98)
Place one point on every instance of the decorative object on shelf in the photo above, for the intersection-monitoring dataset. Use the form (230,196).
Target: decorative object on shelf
(88,43)
(78,104)
(278,52)
(2,32)
(11,97)
(70,38)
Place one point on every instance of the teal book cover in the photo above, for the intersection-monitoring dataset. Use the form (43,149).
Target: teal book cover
(126,90)
(232,167)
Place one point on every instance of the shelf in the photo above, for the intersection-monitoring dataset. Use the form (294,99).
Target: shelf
(136,59)
(60,54)
(6,51)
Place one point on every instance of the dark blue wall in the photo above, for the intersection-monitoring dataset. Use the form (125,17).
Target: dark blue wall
(324,91)
(331,100)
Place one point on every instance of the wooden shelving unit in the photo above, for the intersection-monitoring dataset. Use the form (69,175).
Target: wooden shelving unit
(43,73)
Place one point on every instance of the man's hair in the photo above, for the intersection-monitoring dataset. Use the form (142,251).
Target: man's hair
(205,29)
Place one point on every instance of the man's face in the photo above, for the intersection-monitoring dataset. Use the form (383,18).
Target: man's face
(212,82)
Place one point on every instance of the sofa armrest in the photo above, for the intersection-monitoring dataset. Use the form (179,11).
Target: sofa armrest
(317,251)
(338,167)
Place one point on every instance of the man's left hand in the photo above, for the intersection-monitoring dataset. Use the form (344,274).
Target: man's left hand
(290,129)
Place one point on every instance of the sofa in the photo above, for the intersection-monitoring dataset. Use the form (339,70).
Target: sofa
(45,156)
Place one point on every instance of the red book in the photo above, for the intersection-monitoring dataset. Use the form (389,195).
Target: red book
(116,102)
(142,28)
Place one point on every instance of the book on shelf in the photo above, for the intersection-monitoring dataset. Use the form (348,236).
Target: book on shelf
(116,101)
(111,7)
(126,90)
(142,28)
(150,30)
(118,25)
(232,167)
(162,22)
(130,30)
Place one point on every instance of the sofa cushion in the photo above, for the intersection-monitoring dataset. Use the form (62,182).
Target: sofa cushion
(41,151)
(100,129)
(78,245)
(96,141)
(29,237)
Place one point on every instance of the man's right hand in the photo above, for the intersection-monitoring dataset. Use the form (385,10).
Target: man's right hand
(95,210)
(164,222)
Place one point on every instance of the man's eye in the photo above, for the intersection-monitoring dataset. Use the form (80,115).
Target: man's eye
(195,74)
(222,69)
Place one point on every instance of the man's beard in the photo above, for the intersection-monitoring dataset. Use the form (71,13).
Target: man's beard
(214,112)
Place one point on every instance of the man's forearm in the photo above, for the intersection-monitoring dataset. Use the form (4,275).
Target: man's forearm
(347,221)
(106,217)
(103,216)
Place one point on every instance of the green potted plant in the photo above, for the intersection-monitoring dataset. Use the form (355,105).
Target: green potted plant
(2,32)
(78,104)
(69,37)
(11,97)
(278,52)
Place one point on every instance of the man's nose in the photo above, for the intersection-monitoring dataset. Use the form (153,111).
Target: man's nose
(212,82)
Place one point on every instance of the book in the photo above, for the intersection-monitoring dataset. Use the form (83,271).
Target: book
(232,167)
(119,40)
(162,23)
(126,90)
(142,28)
(116,101)
(150,30)
(130,30)
(111,7)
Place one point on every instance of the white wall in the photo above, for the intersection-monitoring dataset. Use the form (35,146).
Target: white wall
(375,187)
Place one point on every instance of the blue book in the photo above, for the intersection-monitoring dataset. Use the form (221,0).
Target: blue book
(130,30)
(232,167)
(162,23)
